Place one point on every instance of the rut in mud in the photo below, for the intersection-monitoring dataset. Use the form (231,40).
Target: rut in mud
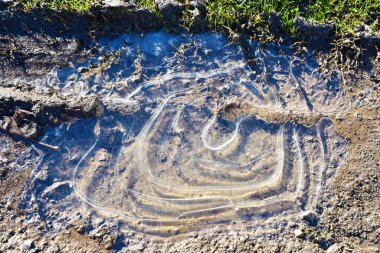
(190,138)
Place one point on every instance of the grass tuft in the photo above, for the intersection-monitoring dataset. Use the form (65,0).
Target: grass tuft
(344,14)
(150,5)
(69,5)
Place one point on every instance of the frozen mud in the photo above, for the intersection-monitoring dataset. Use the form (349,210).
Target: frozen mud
(191,138)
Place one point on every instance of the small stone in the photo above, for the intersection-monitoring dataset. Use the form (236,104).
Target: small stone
(81,229)
(339,117)
(335,248)
(310,217)
(170,9)
(28,245)
(298,233)
(115,3)
(137,247)
(22,230)
(3,160)
(53,249)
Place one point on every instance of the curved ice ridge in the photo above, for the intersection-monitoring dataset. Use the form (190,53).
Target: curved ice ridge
(196,153)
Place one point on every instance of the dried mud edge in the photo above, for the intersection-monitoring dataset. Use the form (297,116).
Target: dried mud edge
(49,30)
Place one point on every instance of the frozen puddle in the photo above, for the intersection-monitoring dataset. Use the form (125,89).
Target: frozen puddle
(190,137)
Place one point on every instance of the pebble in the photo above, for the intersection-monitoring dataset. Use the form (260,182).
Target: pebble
(298,233)
(81,229)
(339,117)
(53,249)
(335,248)
(310,217)
(28,245)
(137,247)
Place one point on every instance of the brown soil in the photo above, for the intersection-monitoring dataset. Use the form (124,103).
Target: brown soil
(351,222)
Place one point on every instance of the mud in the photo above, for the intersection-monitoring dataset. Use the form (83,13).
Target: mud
(33,42)
(26,113)
(178,143)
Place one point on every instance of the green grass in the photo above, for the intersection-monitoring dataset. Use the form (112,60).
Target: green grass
(149,4)
(345,14)
(231,14)
(69,5)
